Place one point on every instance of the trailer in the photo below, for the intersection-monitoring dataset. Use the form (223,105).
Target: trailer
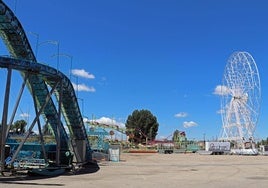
(166,147)
(217,148)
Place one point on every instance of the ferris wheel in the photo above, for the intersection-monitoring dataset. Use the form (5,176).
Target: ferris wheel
(241,97)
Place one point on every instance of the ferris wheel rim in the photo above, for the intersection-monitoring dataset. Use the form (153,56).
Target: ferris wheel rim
(247,99)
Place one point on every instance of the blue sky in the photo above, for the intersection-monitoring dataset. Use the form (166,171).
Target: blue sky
(166,56)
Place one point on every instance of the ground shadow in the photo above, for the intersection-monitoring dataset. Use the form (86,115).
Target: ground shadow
(91,167)
(22,178)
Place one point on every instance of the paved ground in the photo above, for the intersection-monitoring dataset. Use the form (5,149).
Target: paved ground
(162,170)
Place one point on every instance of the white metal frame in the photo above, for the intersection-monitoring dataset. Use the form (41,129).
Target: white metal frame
(240,105)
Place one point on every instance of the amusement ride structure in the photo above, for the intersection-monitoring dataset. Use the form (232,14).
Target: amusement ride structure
(101,131)
(52,93)
(241,97)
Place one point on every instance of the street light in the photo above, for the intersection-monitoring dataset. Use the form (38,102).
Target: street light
(68,56)
(37,41)
(54,43)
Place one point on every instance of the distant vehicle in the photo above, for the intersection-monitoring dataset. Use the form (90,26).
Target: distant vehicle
(217,148)
(166,147)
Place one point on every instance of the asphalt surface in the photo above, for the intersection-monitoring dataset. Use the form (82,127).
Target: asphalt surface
(160,170)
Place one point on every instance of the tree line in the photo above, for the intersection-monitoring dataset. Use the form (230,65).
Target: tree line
(19,127)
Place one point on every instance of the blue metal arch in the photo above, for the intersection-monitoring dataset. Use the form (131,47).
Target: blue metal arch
(14,37)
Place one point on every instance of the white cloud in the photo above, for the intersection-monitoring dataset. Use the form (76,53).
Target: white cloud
(85,119)
(188,124)
(109,121)
(105,121)
(24,115)
(83,87)
(181,115)
(221,111)
(82,73)
(221,90)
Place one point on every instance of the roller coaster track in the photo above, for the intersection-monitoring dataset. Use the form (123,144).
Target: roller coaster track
(108,126)
(39,79)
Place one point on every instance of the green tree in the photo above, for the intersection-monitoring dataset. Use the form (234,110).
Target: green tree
(19,126)
(142,125)
(262,142)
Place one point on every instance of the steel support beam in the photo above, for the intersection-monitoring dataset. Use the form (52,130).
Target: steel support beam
(58,153)
(4,120)
(33,123)
(39,126)
(16,105)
